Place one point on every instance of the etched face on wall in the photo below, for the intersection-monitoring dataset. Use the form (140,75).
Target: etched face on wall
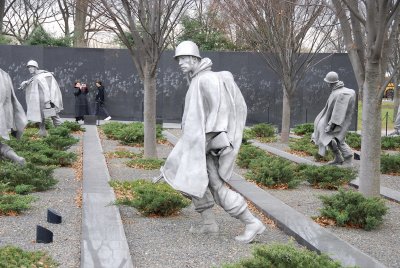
(186,63)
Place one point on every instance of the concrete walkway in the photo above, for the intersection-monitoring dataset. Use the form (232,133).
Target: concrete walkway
(103,243)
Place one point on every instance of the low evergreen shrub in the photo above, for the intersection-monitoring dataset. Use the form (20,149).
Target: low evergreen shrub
(391,143)
(301,129)
(14,203)
(130,134)
(284,256)
(13,257)
(247,135)
(31,176)
(263,130)
(248,153)
(273,171)
(326,177)
(390,164)
(148,164)
(148,198)
(60,138)
(353,140)
(40,153)
(124,154)
(306,146)
(72,126)
(352,208)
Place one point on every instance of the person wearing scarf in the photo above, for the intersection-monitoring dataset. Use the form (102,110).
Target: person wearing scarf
(202,161)
(333,122)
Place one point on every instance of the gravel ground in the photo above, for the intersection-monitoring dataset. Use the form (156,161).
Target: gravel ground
(382,243)
(166,242)
(21,230)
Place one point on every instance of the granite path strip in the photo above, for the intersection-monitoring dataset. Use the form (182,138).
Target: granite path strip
(103,242)
(385,192)
(303,229)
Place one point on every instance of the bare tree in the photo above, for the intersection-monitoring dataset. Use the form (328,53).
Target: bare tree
(369,28)
(4,7)
(143,26)
(65,9)
(288,34)
(81,10)
(24,16)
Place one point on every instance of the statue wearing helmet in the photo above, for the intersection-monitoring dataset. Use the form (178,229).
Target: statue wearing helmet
(333,122)
(202,161)
(43,97)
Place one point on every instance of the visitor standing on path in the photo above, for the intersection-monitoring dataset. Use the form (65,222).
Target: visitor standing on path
(43,97)
(100,102)
(203,159)
(81,102)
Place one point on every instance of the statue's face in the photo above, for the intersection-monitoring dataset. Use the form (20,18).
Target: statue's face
(186,63)
(32,69)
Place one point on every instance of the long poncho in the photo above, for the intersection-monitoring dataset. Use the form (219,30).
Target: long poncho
(12,115)
(43,88)
(213,104)
(338,110)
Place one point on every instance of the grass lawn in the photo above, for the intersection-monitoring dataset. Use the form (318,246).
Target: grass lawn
(387,106)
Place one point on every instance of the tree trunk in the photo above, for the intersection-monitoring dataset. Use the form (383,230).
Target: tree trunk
(80,22)
(149,115)
(285,117)
(2,9)
(371,134)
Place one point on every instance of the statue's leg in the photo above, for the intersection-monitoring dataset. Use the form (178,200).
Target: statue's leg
(346,151)
(232,202)
(42,128)
(204,206)
(334,146)
(9,153)
(56,120)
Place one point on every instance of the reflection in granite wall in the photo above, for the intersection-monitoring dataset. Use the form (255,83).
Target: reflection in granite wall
(124,90)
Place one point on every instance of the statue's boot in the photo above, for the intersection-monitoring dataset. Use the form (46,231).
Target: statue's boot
(348,160)
(208,224)
(9,153)
(338,160)
(253,227)
(42,130)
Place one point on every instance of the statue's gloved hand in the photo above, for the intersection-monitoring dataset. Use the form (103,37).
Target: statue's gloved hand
(330,128)
(23,85)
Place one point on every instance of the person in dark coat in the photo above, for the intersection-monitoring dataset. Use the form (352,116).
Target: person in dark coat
(81,102)
(100,102)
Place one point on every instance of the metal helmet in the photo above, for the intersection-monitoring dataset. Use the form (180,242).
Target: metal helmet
(187,48)
(32,63)
(331,77)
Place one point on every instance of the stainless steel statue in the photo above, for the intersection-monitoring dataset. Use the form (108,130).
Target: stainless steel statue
(43,97)
(333,122)
(203,159)
(396,131)
(12,117)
